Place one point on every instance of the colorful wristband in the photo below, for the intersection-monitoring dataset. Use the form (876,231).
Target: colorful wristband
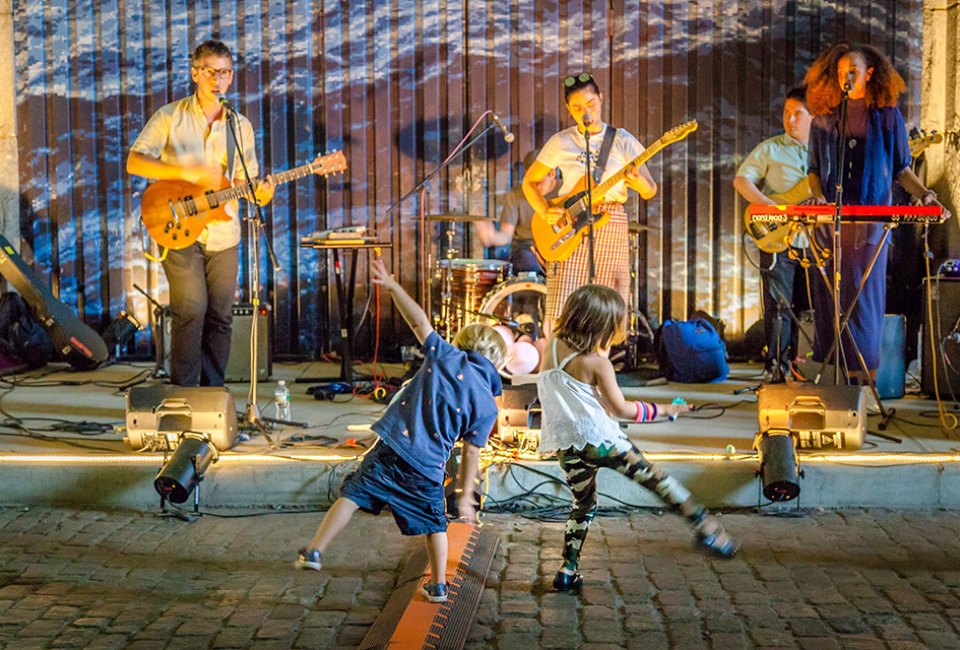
(646,411)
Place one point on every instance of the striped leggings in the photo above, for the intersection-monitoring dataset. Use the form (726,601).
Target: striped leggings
(580,468)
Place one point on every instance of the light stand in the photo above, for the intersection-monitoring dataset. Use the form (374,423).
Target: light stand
(181,474)
(779,470)
(251,413)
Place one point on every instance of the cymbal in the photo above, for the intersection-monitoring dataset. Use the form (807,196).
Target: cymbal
(458,217)
(636,228)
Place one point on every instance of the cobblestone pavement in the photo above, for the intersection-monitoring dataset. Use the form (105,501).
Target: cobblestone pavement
(859,579)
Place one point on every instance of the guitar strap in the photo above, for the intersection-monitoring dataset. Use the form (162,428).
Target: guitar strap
(608,137)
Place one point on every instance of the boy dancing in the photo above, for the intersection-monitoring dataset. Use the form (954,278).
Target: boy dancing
(450,398)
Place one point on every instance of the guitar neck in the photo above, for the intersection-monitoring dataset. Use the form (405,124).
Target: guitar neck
(232,193)
(604,187)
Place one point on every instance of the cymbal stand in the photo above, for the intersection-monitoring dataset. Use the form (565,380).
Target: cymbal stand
(459,151)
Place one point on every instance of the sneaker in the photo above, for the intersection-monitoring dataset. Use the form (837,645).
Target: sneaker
(309,559)
(718,543)
(564,581)
(434,592)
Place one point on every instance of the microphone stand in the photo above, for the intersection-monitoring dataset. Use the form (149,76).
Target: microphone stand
(837,252)
(160,315)
(255,227)
(591,266)
(426,179)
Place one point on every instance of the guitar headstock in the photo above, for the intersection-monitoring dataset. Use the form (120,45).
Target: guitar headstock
(331,163)
(678,133)
(922,141)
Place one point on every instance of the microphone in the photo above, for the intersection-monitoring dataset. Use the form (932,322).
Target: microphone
(225,103)
(507,136)
(848,85)
(586,119)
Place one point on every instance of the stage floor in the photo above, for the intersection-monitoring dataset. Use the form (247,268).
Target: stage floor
(58,463)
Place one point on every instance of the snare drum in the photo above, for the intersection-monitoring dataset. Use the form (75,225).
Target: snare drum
(463,285)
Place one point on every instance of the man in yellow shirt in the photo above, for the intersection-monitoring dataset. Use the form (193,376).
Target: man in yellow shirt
(187,140)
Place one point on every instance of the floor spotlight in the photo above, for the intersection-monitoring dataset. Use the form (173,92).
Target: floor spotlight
(182,472)
(779,468)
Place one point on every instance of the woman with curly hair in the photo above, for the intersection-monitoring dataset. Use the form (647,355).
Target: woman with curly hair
(877,154)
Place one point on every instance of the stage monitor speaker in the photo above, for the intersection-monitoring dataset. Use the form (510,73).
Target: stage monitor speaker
(820,417)
(77,343)
(238,366)
(157,414)
(945,301)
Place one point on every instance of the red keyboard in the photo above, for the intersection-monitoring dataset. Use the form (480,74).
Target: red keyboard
(825,214)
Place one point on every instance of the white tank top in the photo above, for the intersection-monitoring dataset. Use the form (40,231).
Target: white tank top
(572,413)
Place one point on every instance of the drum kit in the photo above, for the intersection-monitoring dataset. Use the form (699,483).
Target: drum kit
(487,291)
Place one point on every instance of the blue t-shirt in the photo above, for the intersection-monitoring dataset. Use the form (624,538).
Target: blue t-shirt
(450,398)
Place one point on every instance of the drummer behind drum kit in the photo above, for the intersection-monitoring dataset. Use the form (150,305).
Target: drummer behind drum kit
(486,291)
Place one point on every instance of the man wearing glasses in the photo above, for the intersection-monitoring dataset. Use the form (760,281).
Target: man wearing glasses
(187,140)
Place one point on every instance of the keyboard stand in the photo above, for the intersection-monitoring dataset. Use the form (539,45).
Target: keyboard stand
(345,295)
(885,414)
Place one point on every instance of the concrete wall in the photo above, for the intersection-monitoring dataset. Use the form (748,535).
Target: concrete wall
(941,100)
(9,173)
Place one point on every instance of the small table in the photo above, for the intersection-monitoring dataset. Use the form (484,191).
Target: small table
(344,297)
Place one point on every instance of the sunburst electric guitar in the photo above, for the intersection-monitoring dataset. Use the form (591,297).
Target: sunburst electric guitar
(557,242)
(176,212)
(775,238)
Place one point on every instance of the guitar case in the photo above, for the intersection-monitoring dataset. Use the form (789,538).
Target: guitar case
(78,344)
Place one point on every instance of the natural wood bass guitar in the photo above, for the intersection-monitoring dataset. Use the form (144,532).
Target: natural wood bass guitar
(176,212)
(557,242)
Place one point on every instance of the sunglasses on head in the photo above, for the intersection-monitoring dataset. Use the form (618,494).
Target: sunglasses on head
(581,78)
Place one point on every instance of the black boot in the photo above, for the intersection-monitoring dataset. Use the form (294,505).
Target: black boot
(568,581)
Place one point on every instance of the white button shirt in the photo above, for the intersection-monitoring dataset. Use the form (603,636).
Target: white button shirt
(177,134)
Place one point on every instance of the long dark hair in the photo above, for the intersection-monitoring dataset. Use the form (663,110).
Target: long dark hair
(823,89)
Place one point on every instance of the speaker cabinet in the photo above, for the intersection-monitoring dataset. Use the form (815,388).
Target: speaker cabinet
(820,417)
(158,414)
(944,296)
(238,366)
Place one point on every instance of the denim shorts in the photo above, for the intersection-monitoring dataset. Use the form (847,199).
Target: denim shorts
(386,479)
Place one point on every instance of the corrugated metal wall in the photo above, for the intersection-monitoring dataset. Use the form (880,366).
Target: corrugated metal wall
(396,84)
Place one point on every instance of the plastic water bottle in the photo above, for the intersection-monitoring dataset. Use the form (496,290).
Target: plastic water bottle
(281,401)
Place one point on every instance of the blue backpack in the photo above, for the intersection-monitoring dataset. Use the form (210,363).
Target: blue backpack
(692,352)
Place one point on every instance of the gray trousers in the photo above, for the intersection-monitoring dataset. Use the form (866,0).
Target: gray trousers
(202,289)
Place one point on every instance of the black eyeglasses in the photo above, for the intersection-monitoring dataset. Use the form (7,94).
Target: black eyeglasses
(581,78)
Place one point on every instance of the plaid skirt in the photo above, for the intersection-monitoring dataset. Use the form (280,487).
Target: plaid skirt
(611,257)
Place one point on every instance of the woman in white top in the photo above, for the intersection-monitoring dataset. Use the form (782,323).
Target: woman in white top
(566,151)
(579,394)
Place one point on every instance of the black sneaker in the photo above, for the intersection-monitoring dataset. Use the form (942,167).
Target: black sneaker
(568,581)
(309,559)
(435,593)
